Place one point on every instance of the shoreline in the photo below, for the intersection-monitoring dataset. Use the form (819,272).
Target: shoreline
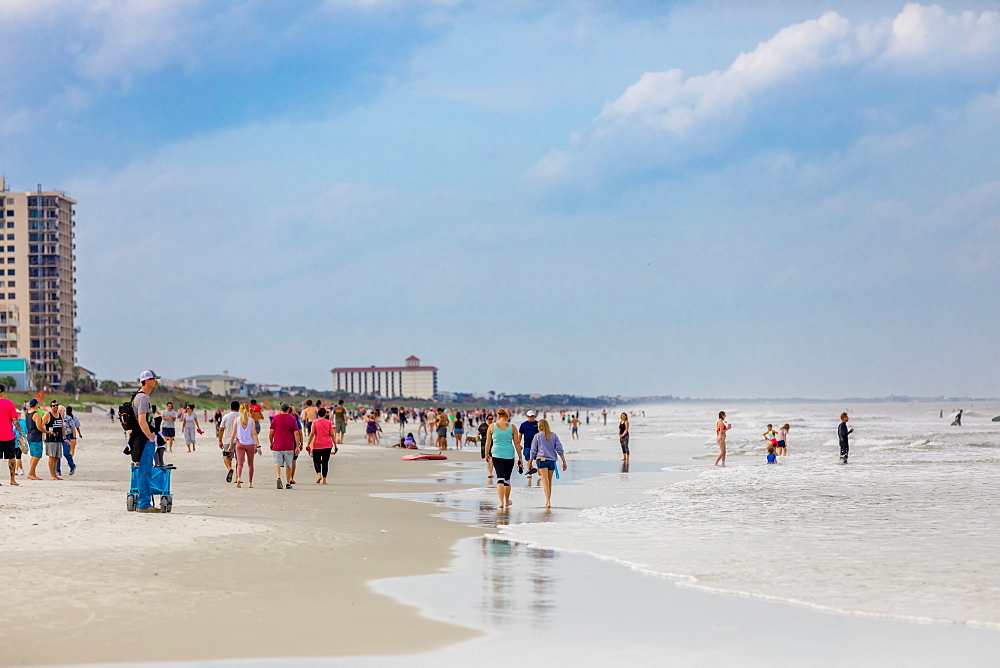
(208,581)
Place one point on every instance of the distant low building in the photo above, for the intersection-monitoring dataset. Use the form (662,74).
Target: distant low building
(220,385)
(87,373)
(390,382)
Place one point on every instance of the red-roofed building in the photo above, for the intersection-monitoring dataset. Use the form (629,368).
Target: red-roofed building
(406,382)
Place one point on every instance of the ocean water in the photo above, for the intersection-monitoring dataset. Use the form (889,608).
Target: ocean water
(908,529)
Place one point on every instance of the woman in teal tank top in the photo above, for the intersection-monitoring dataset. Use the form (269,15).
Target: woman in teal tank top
(504,442)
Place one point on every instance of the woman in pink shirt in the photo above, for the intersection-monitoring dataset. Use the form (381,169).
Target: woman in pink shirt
(320,445)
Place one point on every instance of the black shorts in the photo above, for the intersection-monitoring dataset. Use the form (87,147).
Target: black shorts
(503,469)
(167,432)
(9,450)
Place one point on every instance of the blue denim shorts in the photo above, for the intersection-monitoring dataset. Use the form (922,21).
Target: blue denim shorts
(549,464)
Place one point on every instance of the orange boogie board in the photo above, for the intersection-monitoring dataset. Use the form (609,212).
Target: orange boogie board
(413,458)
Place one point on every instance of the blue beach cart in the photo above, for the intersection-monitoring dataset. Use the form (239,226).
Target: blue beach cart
(159,482)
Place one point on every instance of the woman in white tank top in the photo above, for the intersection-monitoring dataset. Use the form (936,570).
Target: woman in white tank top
(245,439)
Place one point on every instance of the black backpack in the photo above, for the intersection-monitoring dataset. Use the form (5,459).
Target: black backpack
(127,416)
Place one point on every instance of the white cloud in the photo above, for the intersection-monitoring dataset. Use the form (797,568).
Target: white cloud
(135,37)
(666,118)
(931,37)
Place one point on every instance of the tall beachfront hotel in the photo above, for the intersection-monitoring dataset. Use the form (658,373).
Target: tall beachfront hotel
(37,283)
(389,382)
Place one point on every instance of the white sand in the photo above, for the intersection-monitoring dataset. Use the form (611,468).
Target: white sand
(98,584)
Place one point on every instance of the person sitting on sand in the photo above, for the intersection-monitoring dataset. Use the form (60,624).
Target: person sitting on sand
(409,443)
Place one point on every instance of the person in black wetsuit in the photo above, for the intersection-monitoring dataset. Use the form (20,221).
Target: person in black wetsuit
(843,432)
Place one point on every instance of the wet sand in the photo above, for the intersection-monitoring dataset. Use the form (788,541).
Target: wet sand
(230,573)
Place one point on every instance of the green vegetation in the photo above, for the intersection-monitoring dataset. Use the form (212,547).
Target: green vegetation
(160,399)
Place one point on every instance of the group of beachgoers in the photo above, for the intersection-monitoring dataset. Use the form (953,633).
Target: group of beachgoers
(314,427)
(37,432)
(777,441)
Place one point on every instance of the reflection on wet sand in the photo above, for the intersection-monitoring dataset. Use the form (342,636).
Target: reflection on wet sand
(513,574)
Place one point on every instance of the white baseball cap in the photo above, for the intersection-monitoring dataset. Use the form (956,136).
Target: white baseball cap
(148,374)
(530,413)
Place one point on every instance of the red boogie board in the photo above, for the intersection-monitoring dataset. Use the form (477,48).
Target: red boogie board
(411,458)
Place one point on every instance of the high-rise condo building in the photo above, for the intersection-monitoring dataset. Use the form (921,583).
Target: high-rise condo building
(38,283)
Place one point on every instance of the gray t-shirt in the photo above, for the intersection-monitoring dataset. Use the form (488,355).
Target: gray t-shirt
(168,418)
(140,404)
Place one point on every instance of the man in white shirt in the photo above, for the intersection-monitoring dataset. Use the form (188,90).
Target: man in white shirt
(226,437)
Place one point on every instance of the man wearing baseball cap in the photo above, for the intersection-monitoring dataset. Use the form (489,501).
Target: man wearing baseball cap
(142,442)
(528,430)
(286,442)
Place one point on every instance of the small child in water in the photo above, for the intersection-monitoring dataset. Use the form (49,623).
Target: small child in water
(409,443)
(771,457)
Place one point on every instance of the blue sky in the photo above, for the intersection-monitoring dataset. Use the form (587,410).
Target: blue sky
(688,198)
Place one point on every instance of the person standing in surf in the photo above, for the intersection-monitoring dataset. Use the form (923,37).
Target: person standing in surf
(958,417)
(779,447)
(623,438)
(721,427)
(842,434)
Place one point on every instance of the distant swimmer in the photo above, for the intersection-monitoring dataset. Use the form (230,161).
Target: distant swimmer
(721,427)
(958,418)
(843,433)
(604,414)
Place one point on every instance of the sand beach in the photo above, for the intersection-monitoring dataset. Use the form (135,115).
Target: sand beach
(229,573)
